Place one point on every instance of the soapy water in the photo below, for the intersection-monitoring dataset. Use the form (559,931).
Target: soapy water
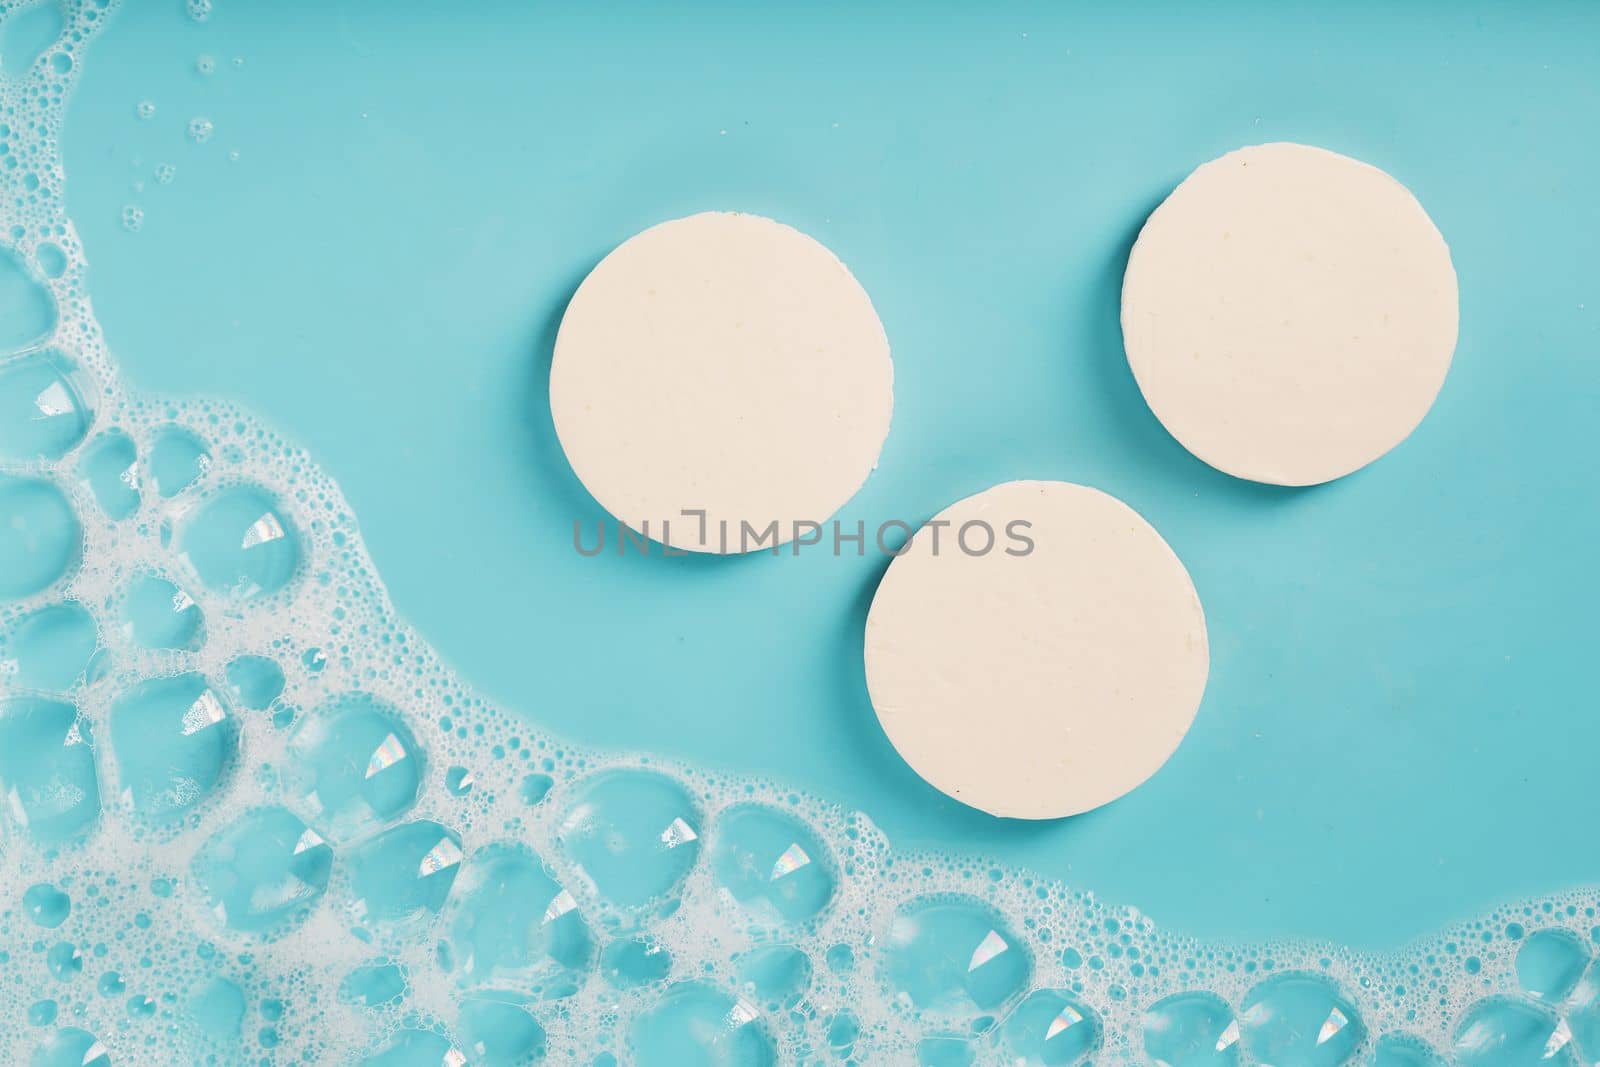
(249,817)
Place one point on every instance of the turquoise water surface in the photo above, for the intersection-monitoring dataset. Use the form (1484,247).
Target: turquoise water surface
(1396,709)
(368,242)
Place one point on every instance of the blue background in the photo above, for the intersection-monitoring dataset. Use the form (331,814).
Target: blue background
(1400,727)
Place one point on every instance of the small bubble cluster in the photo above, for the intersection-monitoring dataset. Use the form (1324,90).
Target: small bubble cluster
(252,818)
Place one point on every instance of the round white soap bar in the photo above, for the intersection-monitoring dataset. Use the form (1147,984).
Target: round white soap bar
(1048,675)
(723,364)
(1289,313)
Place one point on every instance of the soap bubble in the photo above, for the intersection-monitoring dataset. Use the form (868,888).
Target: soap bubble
(264,871)
(50,647)
(242,542)
(1193,1029)
(772,863)
(694,1022)
(1508,1032)
(42,411)
(1052,1028)
(633,835)
(953,956)
(173,738)
(355,766)
(1550,962)
(403,875)
(1303,1019)
(110,468)
(47,769)
(512,924)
